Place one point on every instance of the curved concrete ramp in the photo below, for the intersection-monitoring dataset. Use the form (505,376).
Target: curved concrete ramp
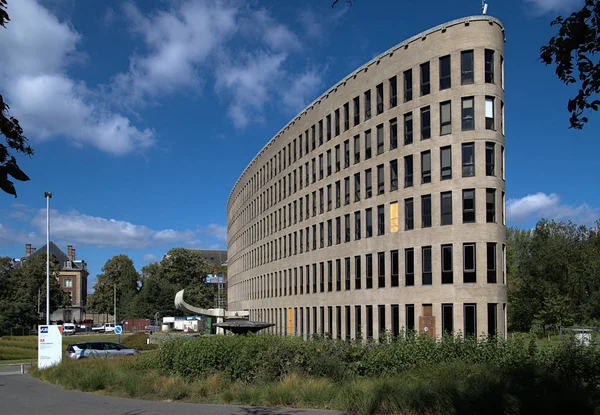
(180,304)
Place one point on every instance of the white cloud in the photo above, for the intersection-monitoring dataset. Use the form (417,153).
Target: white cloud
(35,51)
(553,6)
(8,236)
(249,84)
(542,205)
(302,91)
(261,26)
(178,41)
(150,258)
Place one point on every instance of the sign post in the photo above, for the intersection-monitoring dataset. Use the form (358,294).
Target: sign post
(49,346)
(118,331)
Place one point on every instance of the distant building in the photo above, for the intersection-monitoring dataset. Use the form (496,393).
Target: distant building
(212,256)
(72,278)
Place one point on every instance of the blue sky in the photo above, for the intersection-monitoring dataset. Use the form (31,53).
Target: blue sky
(143,114)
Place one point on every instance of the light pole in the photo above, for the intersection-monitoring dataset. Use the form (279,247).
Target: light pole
(115,304)
(48,196)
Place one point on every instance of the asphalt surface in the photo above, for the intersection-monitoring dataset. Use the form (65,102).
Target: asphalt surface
(25,395)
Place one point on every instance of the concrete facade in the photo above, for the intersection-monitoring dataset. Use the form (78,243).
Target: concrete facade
(278,234)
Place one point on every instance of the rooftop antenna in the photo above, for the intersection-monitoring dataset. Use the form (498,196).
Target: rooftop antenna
(484,7)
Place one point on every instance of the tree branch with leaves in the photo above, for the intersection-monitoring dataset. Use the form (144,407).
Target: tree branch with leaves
(575,51)
(12,131)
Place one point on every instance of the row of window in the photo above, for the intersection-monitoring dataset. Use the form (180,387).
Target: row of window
(284,158)
(339,275)
(331,159)
(330,197)
(297,242)
(307,321)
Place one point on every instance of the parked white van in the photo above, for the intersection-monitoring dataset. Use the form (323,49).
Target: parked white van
(68,328)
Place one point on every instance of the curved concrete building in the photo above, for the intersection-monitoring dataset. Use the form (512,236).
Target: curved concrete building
(381,205)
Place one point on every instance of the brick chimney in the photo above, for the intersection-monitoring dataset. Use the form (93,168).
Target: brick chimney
(27,250)
(33,250)
(71,252)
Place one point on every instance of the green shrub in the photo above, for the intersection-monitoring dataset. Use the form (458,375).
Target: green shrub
(138,341)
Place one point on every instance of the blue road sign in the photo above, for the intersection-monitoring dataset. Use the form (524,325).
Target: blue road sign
(118,330)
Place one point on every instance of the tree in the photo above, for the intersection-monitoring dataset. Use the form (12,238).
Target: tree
(12,131)
(121,271)
(24,287)
(575,51)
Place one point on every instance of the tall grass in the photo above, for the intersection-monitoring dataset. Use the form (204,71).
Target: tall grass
(413,376)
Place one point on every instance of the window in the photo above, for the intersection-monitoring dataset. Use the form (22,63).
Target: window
(346,154)
(491,262)
(410,317)
(409,266)
(469,261)
(393,175)
(380,180)
(393,134)
(490,159)
(369,312)
(328,154)
(380,220)
(469,206)
(328,126)
(379,92)
(466,67)
(329,278)
(379,131)
(381,314)
(426,260)
(367,144)
(393,92)
(409,214)
(445,78)
(68,281)
(347,287)
(470,320)
(367,105)
(447,275)
(394,266)
(381,269)
(408,128)
(322,234)
(492,316)
(445,118)
(357,276)
(425,123)
(337,122)
(502,163)
(489,66)
(346,116)
(337,194)
(357,225)
(408,171)
(447,318)
(394,217)
(356,111)
(408,85)
(369,259)
(320,134)
(425,87)
(426,211)
(445,163)
(502,206)
(489,113)
(357,187)
(321,200)
(490,205)
(446,208)
(368,184)
(356,149)
(322,283)
(320,166)
(468,160)
(426,167)
(468,114)
(338,162)
(329,232)
(346,190)
(347,228)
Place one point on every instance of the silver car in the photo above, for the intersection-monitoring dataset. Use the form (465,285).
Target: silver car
(98,349)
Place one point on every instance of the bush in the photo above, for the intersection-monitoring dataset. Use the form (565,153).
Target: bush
(138,341)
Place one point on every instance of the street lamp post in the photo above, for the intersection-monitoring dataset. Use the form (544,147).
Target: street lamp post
(48,196)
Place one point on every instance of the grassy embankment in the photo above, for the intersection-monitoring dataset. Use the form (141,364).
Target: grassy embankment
(23,349)
(415,376)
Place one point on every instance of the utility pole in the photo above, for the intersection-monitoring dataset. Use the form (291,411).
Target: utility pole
(48,196)
(115,316)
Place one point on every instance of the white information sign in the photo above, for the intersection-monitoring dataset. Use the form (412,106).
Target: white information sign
(49,346)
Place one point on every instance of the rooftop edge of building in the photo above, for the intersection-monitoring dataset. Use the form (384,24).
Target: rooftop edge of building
(402,44)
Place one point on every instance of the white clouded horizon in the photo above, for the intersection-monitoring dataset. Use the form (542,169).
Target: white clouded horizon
(541,205)
(34,55)
(75,227)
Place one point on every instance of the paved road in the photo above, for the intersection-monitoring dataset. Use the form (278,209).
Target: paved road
(25,395)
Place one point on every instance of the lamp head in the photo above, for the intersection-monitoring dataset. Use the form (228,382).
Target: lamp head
(48,194)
